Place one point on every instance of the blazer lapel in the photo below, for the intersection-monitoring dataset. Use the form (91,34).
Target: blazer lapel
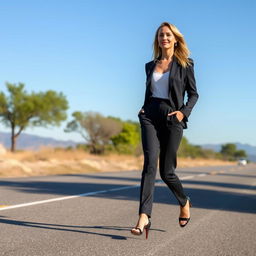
(150,73)
(173,70)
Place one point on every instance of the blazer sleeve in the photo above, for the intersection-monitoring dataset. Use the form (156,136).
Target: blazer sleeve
(145,97)
(191,90)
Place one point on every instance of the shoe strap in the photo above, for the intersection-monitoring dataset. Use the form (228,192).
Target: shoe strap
(139,230)
(184,218)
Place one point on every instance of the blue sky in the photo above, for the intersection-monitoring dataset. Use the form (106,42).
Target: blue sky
(94,52)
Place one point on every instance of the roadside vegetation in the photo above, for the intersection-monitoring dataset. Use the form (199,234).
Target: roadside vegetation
(109,142)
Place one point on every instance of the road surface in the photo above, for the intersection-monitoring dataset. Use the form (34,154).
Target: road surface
(92,214)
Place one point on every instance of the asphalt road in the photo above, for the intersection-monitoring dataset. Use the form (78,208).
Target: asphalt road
(92,214)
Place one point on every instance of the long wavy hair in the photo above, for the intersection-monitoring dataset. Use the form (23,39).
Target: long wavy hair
(181,51)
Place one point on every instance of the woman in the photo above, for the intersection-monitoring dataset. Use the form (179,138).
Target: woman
(163,117)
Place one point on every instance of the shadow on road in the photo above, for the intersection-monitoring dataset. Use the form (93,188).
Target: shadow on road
(73,228)
(204,194)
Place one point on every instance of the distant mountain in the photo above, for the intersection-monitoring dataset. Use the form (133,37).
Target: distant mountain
(249,149)
(33,142)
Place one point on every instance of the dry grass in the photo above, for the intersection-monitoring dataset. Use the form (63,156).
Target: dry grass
(188,162)
(49,161)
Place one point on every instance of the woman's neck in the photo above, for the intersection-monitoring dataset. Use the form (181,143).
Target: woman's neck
(167,54)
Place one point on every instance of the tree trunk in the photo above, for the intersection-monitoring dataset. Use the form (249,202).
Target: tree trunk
(13,140)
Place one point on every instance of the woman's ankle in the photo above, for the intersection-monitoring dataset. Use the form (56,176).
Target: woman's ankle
(144,216)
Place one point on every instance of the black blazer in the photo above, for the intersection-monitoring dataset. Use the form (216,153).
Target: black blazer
(181,80)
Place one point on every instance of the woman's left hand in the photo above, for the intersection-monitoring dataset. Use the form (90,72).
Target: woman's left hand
(178,114)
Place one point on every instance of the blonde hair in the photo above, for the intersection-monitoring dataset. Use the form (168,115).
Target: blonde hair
(181,51)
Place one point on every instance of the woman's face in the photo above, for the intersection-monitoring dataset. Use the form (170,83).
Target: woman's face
(166,38)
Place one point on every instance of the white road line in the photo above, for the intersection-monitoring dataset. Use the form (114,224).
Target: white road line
(87,194)
(188,177)
(202,174)
(66,197)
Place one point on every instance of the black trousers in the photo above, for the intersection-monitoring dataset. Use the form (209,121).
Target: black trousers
(161,137)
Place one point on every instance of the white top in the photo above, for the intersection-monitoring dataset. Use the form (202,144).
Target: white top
(160,85)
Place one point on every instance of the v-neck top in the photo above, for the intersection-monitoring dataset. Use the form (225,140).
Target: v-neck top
(160,85)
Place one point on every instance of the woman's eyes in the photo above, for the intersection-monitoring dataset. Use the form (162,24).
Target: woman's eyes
(166,35)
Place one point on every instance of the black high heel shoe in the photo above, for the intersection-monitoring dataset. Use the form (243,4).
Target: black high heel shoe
(146,227)
(183,218)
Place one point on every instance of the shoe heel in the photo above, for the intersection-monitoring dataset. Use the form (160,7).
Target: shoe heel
(147,231)
(147,227)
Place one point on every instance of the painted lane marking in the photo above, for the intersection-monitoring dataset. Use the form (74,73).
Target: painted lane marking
(188,177)
(202,174)
(2,208)
(67,197)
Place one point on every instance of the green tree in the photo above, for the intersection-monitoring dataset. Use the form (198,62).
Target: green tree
(188,150)
(185,149)
(95,129)
(228,149)
(230,152)
(20,109)
(127,140)
(240,154)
